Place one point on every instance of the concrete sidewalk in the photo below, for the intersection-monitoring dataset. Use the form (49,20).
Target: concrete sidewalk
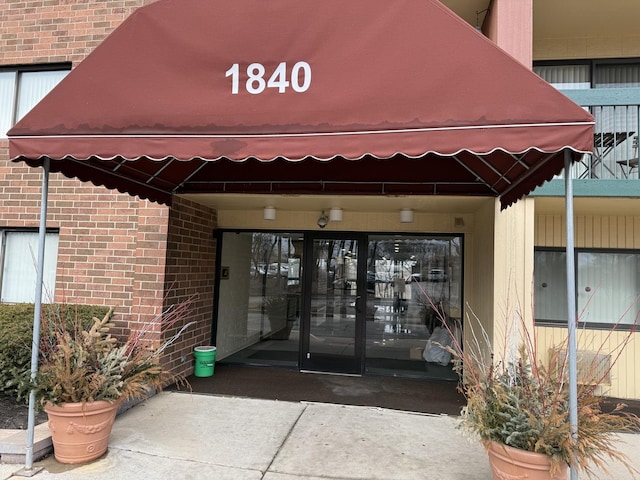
(177,435)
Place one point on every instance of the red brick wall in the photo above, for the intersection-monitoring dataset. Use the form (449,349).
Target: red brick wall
(45,31)
(190,269)
(112,247)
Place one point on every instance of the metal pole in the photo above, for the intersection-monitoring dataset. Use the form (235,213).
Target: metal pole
(36,313)
(571,304)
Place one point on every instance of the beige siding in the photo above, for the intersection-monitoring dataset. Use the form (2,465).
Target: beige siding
(479,278)
(590,231)
(597,231)
(513,268)
(625,378)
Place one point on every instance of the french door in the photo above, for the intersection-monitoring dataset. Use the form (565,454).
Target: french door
(334,303)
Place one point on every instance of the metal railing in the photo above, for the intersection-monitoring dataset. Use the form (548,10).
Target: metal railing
(615,142)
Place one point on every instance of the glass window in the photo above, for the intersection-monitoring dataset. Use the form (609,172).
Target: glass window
(617,75)
(21,90)
(260,298)
(406,278)
(19,255)
(565,77)
(33,86)
(584,74)
(7,100)
(550,272)
(607,286)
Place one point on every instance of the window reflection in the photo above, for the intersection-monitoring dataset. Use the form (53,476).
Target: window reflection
(406,278)
(259,305)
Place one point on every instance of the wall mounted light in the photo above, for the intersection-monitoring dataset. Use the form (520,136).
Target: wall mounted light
(335,215)
(323,220)
(269,213)
(406,215)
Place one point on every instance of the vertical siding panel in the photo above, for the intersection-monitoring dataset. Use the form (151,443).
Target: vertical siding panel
(631,376)
(549,235)
(622,232)
(605,231)
(613,231)
(579,231)
(596,232)
(546,239)
(625,378)
(542,234)
(558,232)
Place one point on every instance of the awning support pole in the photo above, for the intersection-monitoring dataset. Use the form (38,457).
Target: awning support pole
(571,303)
(36,313)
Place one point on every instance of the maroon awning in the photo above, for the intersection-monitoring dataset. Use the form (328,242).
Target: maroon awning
(295,96)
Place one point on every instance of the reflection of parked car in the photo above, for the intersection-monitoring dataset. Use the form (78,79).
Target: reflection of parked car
(272,271)
(260,270)
(414,277)
(436,275)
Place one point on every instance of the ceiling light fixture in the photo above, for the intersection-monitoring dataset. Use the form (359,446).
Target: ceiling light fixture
(269,213)
(335,215)
(406,215)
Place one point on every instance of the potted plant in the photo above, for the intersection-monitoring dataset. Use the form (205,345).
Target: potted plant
(85,374)
(280,311)
(518,407)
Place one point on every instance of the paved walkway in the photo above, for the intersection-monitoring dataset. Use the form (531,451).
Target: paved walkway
(178,435)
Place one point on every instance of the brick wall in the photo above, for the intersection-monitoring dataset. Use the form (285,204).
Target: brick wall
(190,269)
(114,249)
(45,31)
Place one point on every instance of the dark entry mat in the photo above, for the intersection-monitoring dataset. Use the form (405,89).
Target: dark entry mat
(414,395)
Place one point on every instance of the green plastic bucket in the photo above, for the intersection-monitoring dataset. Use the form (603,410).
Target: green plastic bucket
(205,361)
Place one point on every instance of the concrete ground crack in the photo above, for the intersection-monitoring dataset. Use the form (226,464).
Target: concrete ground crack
(284,441)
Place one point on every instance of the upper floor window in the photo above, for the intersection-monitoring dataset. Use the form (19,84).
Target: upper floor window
(21,88)
(565,77)
(583,74)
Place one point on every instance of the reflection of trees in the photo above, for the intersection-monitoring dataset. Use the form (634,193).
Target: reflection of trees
(262,249)
(270,249)
(413,259)
(337,271)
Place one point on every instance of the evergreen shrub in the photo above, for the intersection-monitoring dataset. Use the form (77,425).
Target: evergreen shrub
(16,330)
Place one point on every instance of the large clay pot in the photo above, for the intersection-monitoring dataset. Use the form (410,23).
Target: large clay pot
(80,431)
(508,463)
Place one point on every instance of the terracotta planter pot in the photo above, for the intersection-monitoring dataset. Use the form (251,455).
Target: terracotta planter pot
(508,463)
(80,431)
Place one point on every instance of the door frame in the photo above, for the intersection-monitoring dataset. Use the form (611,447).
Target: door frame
(319,363)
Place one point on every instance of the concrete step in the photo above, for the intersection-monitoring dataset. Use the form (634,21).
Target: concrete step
(13,444)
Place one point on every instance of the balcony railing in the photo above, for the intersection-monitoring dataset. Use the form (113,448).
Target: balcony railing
(615,152)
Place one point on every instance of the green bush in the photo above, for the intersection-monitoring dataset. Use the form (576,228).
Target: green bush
(16,333)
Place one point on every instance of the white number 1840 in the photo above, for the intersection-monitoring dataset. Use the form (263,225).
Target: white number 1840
(256,83)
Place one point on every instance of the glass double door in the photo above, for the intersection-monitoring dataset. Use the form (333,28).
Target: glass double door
(340,302)
(332,337)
